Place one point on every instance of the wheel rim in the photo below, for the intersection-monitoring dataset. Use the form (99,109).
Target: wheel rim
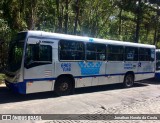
(129,81)
(64,86)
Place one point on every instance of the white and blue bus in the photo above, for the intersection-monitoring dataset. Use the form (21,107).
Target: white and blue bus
(42,61)
(157,73)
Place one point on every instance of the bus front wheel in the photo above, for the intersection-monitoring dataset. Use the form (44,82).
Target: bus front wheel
(128,80)
(63,86)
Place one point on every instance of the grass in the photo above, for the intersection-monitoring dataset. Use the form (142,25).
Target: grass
(1,78)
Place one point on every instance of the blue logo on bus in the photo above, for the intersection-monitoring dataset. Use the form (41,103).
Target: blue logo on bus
(91,40)
(139,64)
(66,66)
(90,68)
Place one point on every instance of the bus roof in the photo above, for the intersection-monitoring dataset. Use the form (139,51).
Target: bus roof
(49,35)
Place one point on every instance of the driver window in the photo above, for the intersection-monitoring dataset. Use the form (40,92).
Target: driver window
(38,53)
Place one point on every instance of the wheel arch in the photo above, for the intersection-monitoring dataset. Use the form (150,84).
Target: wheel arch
(68,76)
(130,72)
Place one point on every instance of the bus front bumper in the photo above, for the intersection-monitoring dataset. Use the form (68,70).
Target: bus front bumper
(19,87)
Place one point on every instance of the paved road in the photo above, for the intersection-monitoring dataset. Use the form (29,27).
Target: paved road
(143,98)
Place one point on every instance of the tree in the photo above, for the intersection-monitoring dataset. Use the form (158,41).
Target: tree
(127,20)
(138,19)
(77,15)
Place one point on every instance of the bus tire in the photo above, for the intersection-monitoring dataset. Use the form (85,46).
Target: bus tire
(128,80)
(63,86)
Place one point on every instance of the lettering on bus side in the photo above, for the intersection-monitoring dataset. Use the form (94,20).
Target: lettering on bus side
(66,66)
(48,42)
(129,66)
(139,64)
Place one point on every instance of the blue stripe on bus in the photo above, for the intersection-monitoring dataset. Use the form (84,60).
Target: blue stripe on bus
(39,79)
(144,72)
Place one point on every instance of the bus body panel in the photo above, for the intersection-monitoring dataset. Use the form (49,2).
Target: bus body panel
(39,86)
(39,78)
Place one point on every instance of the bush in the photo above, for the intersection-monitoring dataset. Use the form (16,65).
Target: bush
(1,78)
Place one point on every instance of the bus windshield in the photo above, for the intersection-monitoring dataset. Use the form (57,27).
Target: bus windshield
(16,49)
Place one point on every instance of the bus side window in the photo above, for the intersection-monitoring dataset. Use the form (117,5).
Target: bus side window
(145,54)
(96,51)
(115,53)
(101,52)
(90,51)
(131,53)
(71,50)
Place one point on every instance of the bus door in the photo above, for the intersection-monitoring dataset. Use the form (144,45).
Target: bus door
(115,63)
(95,62)
(38,67)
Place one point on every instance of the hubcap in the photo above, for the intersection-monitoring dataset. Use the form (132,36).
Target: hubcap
(129,81)
(64,86)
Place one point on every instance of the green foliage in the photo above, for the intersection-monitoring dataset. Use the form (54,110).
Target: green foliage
(2,78)
(124,20)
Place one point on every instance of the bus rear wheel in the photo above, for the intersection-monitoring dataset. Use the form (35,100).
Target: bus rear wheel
(63,86)
(128,81)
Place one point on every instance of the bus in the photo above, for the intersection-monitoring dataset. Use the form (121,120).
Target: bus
(42,61)
(157,73)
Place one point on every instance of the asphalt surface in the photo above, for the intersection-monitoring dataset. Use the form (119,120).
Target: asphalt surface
(143,98)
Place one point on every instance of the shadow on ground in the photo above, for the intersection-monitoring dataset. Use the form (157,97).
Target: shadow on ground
(153,81)
(7,96)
